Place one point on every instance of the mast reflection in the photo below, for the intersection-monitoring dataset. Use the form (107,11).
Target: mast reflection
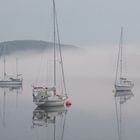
(121,97)
(4,90)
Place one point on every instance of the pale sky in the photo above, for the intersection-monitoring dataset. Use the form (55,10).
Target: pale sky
(81,22)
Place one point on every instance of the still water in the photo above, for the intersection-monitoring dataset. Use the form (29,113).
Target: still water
(92,116)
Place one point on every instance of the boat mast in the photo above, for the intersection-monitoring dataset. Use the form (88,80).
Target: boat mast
(60,53)
(119,60)
(4,62)
(56,34)
(17,66)
(121,45)
(54,37)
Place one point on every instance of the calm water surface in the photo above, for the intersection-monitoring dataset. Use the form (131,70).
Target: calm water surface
(92,114)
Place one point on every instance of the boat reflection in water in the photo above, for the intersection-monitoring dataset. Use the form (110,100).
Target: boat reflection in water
(121,97)
(11,87)
(4,90)
(46,116)
(43,116)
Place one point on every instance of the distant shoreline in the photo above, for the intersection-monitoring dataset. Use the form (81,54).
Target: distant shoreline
(31,45)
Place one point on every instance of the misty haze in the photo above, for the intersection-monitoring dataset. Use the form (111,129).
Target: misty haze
(89,79)
(69,70)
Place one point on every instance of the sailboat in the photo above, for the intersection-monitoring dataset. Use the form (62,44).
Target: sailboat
(10,80)
(50,96)
(121,83)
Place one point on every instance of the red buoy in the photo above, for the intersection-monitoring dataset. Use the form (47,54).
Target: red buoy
(68,103)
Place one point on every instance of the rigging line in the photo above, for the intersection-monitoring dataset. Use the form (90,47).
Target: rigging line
(60,52)
(117,117)
(121,45)
(47,70)
(17,66)
(62,86)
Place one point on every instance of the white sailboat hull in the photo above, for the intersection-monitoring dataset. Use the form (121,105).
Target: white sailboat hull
(50,103)
(10,83)
(123,87)
(53,109)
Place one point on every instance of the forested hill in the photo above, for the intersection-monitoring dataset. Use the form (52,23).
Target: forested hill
(30,45)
